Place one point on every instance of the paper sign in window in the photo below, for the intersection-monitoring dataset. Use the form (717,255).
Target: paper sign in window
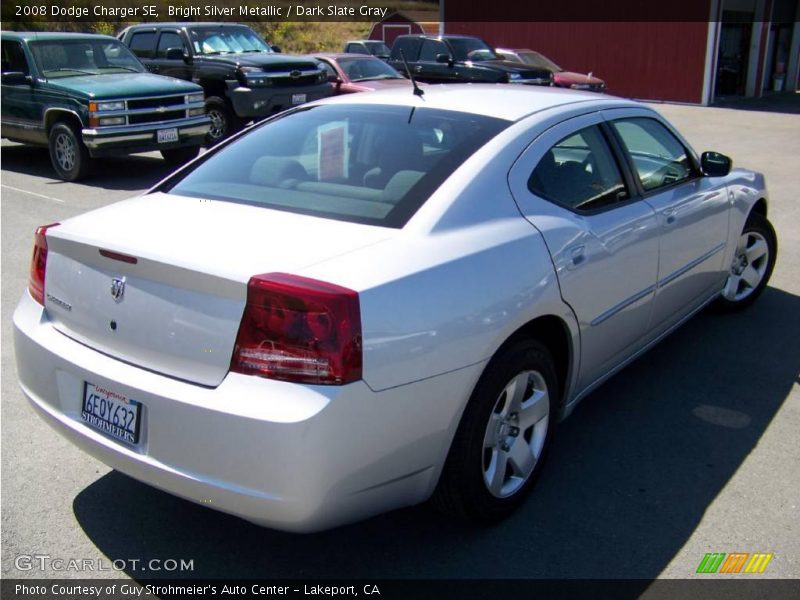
(332,153)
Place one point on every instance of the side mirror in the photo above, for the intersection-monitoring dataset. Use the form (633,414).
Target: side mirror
(335,79)
(15,78)
(443,59)
(276,49)
(715,164)
(174,54)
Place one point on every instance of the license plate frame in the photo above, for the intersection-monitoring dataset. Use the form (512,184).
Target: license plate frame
(299,98)
(111,413)
(167,136)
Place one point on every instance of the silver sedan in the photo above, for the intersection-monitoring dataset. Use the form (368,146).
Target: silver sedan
(373,300)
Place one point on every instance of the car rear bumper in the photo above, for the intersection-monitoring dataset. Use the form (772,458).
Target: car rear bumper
(261,102)
(142,138)
(294,457)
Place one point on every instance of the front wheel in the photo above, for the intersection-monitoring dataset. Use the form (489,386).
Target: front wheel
(752,265)
(69,156)
(223,122)
(503,437)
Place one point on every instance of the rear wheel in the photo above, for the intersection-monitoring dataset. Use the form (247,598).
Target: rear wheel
(179,156)
(752,265)
(69,156)
(503,437)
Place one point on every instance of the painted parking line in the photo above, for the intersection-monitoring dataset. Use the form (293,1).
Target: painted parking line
(59,200)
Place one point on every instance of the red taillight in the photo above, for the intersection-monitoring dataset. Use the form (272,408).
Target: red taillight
(299,329)
(39,263)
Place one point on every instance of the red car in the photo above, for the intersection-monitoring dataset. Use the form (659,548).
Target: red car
(350,73)
(561,78)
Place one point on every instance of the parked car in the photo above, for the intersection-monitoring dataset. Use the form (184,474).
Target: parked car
(379,298)
(459,59)
(350,73)
(561,78)
(86,96)
(374,47)
(244,78)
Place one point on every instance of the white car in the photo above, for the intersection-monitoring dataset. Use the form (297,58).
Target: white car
(375,299)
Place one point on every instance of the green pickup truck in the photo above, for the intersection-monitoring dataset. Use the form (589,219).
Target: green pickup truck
(86,96)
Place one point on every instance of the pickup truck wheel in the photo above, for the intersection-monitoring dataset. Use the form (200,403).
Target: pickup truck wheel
(69,156)
(223,122)
(179,156)
(503,438)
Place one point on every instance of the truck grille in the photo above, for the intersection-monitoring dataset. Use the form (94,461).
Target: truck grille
(156,102)
(157,109)
(156,117)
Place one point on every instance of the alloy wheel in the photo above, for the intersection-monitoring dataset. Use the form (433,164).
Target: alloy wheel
(65,152)
(749,266)
(515,433)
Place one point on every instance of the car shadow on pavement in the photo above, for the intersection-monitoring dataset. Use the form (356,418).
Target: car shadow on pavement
(631,475)
(134,172)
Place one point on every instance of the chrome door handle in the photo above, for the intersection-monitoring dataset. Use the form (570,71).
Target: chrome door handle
(576,257)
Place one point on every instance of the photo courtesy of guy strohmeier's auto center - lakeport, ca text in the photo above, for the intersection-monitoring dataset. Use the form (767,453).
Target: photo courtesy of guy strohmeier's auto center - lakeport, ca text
(399,299)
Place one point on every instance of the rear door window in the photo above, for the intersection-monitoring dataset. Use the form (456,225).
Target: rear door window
(580,173)
(142,43)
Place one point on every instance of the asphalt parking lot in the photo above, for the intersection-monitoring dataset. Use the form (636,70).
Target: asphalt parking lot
(692,449)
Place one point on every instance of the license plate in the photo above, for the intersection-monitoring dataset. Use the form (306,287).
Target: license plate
(111,412)
(167,135)
(298,98)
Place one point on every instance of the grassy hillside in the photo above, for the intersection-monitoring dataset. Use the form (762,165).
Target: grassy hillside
(292,36)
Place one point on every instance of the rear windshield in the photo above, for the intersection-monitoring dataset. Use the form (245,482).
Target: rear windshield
(366,164)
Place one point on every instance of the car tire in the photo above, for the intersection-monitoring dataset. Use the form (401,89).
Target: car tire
(503,437)
(179,156)
(752,265)
(69,156)
(223,122)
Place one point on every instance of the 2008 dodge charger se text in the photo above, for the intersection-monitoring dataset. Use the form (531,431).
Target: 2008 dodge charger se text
(373,300)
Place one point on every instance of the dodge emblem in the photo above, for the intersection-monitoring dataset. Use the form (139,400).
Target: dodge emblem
(117,288)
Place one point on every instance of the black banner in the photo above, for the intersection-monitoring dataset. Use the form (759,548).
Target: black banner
(712,587)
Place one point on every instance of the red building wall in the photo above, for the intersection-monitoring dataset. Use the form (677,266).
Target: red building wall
(652,60)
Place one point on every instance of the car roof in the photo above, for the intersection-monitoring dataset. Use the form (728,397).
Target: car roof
(44,36)
(179,24)
(503,101)
(338,55)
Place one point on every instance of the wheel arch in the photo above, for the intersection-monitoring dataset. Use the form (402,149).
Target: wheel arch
(555,334)
(760,207)
(56,115)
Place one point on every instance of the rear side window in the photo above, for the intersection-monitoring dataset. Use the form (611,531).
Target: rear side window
(142,43)
(658,156)
(580,173)
(366,164)
(168,39)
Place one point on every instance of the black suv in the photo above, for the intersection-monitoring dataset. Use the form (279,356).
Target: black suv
(460,59)
(243,77)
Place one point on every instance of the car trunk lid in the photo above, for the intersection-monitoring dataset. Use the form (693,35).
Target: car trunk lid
(161,281)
